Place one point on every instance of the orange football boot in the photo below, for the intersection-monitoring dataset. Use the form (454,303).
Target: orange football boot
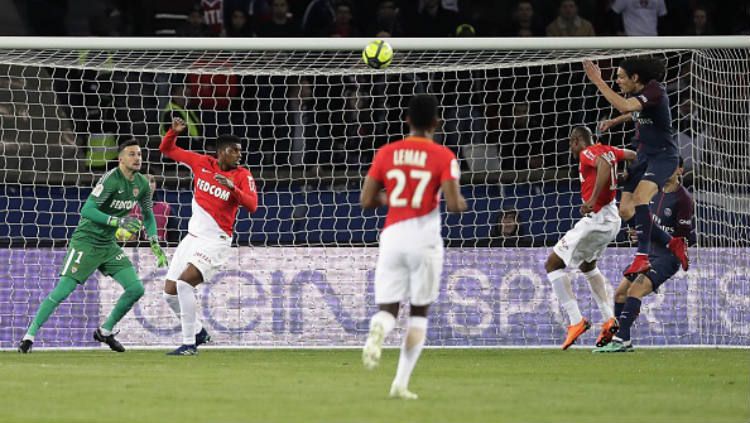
(574,331)
(609,329)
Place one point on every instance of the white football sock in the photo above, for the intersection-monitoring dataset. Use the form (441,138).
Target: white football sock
(186,296)
(174,303)
(561,285)
(414,338)
(597,284)
(386,319)
(104,332)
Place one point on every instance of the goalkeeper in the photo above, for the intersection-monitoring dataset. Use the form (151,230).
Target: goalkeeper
(93,245)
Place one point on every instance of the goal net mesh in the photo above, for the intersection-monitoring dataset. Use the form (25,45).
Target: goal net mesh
(302,274)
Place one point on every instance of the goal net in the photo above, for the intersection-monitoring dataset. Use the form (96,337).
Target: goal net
(310,120)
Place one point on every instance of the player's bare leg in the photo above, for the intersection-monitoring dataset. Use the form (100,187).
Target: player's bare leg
(189,279)
(416,332)
(381,324)
(560,281)
(170,296)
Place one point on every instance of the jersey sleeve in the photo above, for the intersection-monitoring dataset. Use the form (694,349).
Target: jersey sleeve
(145,200)
(169,148)
(245,191)
(104,189)
(451,169)
(651,95)
(613,155)
(376,169)
(684,224)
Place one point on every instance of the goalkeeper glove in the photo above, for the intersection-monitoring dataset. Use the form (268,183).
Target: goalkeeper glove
(161,258)
(128,223)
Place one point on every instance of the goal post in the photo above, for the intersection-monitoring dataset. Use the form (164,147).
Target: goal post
(311,116)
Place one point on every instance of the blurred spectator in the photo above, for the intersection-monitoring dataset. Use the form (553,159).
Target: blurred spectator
(568,23)
(342,22)
(213,16)
(194,26)
(507,231)
(177,107)
(743,20)
(318,18)
(433,20)
(640,17)
(214,92)
(281,23)
(165,17)
(161,210)
(520,140)
(239,26)
(386,22)
(525,23)
(700,24)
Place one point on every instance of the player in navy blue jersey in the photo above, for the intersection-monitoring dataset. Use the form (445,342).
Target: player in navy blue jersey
(645,101)
(672,210)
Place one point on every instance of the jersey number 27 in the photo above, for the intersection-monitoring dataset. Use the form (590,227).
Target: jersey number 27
(421,176)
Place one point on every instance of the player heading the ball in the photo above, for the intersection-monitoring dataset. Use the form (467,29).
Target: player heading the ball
(220,186)
(413,172)
(93,244)
(645,101)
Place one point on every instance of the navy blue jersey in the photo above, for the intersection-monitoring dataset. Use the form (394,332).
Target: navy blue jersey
(673,212)
(654,134)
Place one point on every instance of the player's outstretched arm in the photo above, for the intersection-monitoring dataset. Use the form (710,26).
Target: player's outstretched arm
(169,147)
(372,196)
(455,201)
(624,105)
(611,123)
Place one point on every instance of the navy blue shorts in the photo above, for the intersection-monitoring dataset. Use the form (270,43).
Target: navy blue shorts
(662,268)
(657,169)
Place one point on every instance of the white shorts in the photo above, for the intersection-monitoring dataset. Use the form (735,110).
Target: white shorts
(207,255)
(589,237)
(406,270)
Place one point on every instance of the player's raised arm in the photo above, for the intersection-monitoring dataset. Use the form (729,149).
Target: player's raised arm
(169,147)
(624,105)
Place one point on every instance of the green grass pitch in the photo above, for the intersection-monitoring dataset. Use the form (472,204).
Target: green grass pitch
(455,385)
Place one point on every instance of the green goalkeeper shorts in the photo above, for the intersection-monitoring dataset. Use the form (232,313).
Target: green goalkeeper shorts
(83,259)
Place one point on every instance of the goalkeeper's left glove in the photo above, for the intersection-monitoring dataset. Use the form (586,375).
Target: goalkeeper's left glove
(161,258)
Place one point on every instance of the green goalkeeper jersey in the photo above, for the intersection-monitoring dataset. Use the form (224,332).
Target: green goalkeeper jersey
(116,196)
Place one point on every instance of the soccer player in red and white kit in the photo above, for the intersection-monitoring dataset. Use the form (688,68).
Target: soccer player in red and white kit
(583,245)
(220,187)
(413,172)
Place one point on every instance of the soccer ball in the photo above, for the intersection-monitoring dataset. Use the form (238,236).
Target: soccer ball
(378,54)
(122,235)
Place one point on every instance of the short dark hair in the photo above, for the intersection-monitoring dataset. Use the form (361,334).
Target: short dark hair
(583,132)
(423,111)
(225,140)
(647,68)
(127,144)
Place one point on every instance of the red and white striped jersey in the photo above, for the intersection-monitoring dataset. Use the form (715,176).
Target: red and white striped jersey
(214,205)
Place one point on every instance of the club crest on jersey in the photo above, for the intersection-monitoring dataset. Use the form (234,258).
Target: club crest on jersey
(135,191)
(667,212)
